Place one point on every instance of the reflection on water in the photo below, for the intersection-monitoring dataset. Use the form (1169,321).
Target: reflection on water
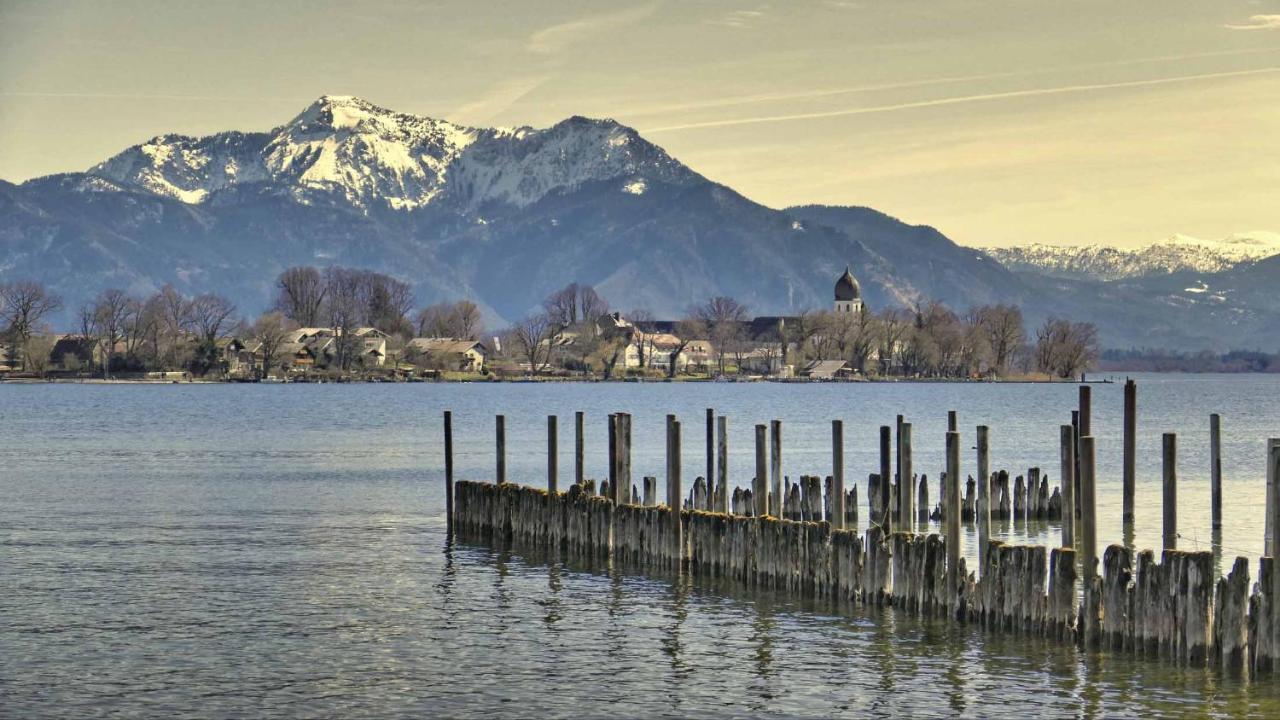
(280,552)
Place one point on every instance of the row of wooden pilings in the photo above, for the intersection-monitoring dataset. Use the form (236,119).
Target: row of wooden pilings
(799,538)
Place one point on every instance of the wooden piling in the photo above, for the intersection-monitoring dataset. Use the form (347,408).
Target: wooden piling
(906,483)
(775,468)
(952,421)
(624,458)
(1130,448)
(886,479)
(553,470)
(1086,410)
(613,455)
(1067,452)
(1088,508)
(711,460)
(722,464)
(951,515)
(500,432)
(1170,502)
(983,508)
(448,471)
(760,487)
(837,475)
(579,447)
(674,491)
(1215,469)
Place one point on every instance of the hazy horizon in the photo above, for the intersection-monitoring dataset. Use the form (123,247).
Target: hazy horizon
(999,123)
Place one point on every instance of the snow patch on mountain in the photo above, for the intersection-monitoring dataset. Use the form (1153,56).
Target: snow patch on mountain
(1175,254)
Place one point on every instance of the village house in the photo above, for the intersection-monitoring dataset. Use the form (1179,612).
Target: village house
(449,353)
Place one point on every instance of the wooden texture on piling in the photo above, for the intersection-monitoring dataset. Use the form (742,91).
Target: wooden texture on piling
(553,472)
(1270,533)
(579,447)
(1067,452)
(951,514)
(1215,470)
(1130,449)
(448,471)
(1088,507)
(775,468)
(500,448)
(760,488)
(839,514)
(711,460)
(906,480)
(886,479)
(983,506)
(674,489)
(1169,506)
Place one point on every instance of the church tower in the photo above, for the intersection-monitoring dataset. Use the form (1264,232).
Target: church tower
(848,293)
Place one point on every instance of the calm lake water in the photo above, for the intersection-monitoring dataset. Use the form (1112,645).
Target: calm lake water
(279,551)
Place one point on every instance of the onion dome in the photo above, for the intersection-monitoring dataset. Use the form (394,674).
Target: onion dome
(847,287)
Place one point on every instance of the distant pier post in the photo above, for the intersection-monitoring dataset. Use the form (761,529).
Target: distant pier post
(1215,469)
(775,468)
(579,448)
(1088,508)
(983,509)
(760,487)
(1067,452)
(711,459)
(500,432)
(722,463)
(951,516)
(886,479)
(1170,502)
(448,471)
(837,474)
(1130,448)
(553,469)
(906,487)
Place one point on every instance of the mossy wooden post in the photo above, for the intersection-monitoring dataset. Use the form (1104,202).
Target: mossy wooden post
(886,480)
(500,437)
(579,448)
(837,475)
(553,470)
(906,486)
(722,464)
(951,516)
(711,459)
(448,471)
(1067,452)
(1170,501)
(1130,449)
(1088,508)
(1215,470)
(983,509)
(674,492)
(760,487)
(775,468)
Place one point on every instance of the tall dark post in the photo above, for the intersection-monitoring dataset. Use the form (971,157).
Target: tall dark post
(623,493)
(711,459)
(951,516)
(760,488)
(500,429)
(722,464)
(1067,454)
(1088,509)
(1170,504)
(579,448)
(952,421)
(983,508)
(886,480)
(1130,448)
(906,487)
(1075,471)
(448,471)
(1215,469)
(675,492)
(1086,410)
(897,458)
(775,468)
(837,474)
(553,469)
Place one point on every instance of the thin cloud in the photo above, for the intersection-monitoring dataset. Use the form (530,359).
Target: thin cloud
(939,102)
(499,98)
(556,38)
(1258,22)
(739,18)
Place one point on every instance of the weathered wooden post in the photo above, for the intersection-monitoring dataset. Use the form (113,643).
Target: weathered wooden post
(1170,505)
(775,468)
(1215,469)
(953,421)
(760,487)
(1086,410)
(553,470)
(711,459)
(448,471)
(579,448)
(1068,456)
(1075,443)
(674,491)
(886,480)
(500,432)
(1088,507)
(722,464)
(837,474)
(623,492)
(906,486)
(951,515)
(1130,448)
(897,455)
(613,456)
(1273,498)
(983,510)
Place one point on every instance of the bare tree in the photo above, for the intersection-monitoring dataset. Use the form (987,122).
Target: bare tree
(301,295)
(453,320)
(105,321)
(272,331)
(1065,349)
(575,303)
(687,331)
(534,334)
(343,310)
(388,302)
(211,315)
(23,305)
(1005,333)
(723,318)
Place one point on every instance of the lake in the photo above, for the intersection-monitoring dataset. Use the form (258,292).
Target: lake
(279,551)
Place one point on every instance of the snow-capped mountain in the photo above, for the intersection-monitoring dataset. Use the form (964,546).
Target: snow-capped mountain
(1175,254)
(373,157)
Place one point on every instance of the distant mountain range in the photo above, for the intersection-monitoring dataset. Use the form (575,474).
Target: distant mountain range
(1179,253)
(505,216)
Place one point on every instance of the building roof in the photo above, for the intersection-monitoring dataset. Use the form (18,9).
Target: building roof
(446,345)
(847,287)
(823,368)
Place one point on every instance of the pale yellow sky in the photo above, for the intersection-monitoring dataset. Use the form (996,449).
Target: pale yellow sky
(998,121)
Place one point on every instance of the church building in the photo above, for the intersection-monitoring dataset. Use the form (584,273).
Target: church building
(848,293)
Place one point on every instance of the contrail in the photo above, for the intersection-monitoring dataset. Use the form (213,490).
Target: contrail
(1065,89)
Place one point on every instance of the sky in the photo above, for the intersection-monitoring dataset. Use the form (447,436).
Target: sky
(1000,122)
